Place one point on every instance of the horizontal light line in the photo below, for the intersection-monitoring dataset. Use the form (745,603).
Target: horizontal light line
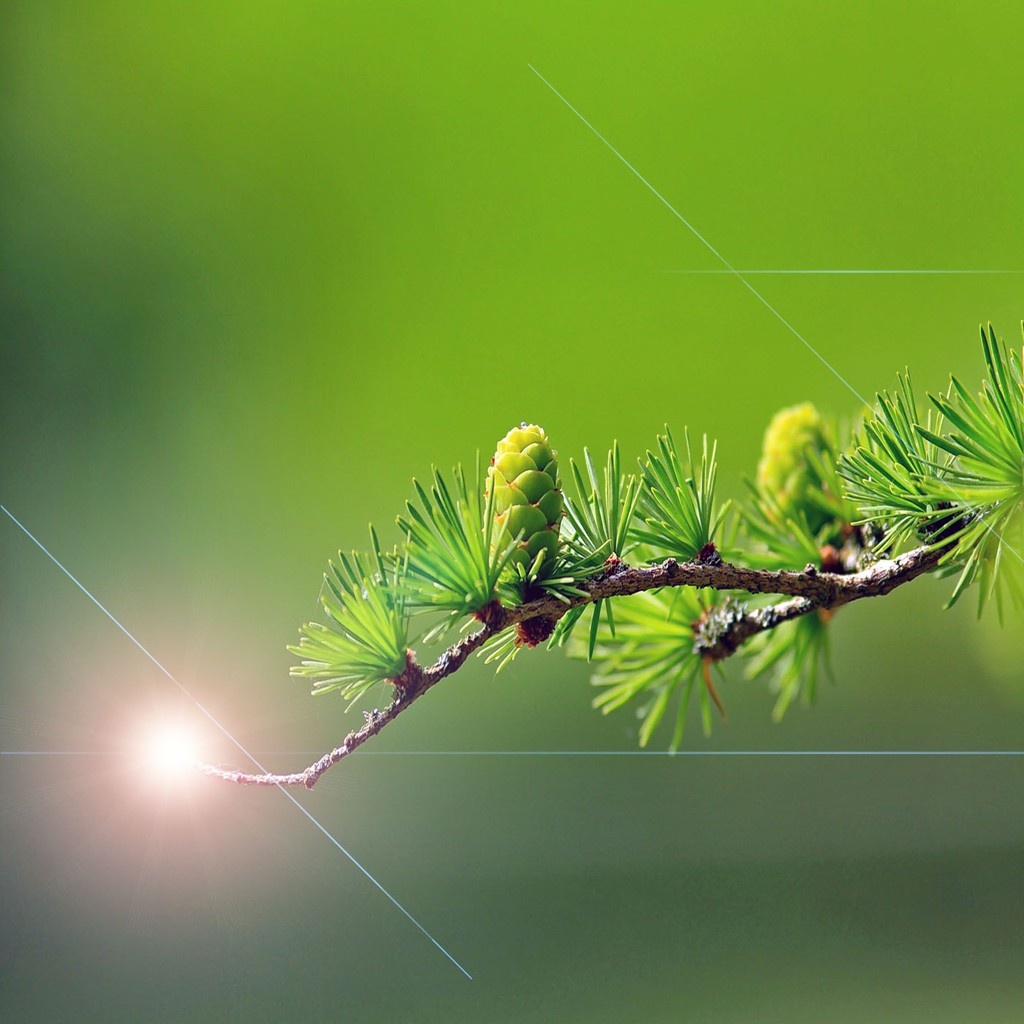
(58,753)
(698,753)
(840,271)
(579,753)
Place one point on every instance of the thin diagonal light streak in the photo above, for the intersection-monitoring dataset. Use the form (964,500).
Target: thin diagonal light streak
(224,730)
(729,267)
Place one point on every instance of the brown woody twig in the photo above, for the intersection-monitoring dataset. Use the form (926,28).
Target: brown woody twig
(809,590)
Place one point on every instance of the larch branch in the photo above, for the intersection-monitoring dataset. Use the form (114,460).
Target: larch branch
(808,591)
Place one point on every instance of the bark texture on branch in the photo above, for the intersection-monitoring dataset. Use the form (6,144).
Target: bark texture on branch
(809,590)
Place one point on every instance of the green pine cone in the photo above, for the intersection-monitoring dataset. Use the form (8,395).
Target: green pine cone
(784,472)
(524,475)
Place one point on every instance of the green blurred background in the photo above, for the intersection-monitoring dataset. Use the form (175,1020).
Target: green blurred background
(260,265)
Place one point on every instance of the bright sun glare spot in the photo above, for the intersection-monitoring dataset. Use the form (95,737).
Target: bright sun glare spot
(169,753)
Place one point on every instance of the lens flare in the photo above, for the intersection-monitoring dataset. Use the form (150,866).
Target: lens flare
(168,753)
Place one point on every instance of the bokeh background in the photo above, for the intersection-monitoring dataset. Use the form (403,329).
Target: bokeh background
(263,263)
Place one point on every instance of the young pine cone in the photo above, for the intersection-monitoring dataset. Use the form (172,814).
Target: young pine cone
(784,472)
(524,477)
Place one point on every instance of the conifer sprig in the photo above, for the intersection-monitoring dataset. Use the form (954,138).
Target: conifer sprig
(986,474)
(601,514)
(453,559)
(365,644)
(598,524)
(794,655)
(781,539)
(677,502)
(893,474)
(960,487)
(651,658)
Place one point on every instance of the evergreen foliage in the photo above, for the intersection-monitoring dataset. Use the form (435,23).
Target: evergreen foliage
(454,557)
(677,505)
(960,486)
(651,658)
(525,563)
(599,524)
(364,597)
